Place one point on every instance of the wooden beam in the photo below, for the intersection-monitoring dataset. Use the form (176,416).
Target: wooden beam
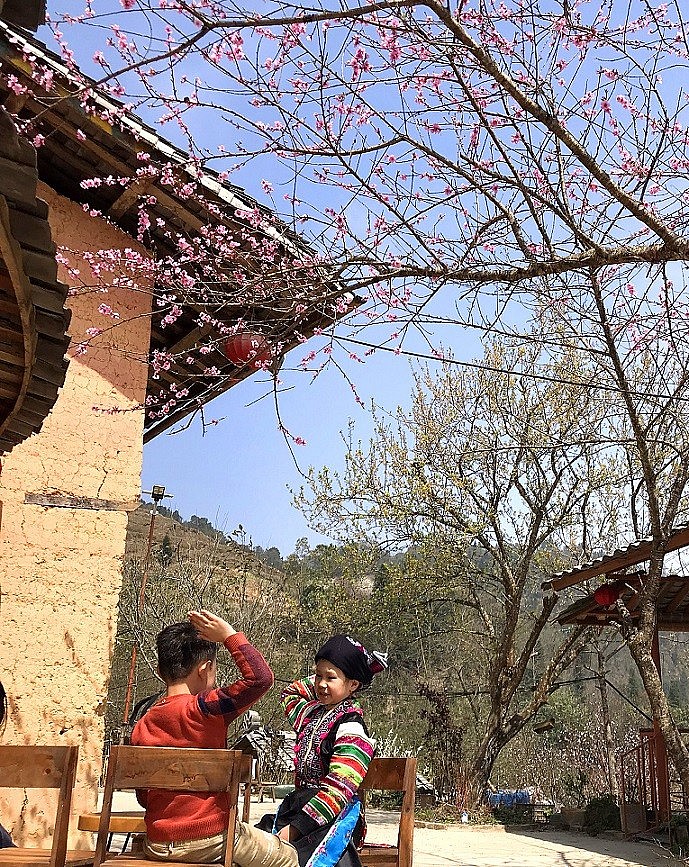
(633,602)
(8,310)
(190,340)
(11,358)
(679,597)
(160,425)
(14,102)
(10,335)
(175,206)
(128,198)
(71,501)
(13,374)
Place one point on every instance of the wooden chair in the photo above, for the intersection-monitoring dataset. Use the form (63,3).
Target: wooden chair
(392,775)
(174,768)
(130,822)
(43,768)
(246,779)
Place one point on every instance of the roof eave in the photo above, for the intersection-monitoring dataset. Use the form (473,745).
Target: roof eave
(610,564)
(29,14)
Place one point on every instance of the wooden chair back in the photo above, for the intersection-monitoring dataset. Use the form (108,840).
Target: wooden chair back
(175,769)
(42,768)
(392,775)
(246,778)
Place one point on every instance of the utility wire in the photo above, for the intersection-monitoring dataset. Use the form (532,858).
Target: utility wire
(629,701)
(470,692)
(473,365)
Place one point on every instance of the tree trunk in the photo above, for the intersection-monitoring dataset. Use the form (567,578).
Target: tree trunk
(676,748)
(480,769)
(606,721)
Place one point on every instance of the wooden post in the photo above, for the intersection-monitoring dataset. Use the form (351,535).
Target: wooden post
(139,608)
(660,747)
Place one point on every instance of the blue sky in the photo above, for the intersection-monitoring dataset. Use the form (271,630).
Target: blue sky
(240,472)
(242,469)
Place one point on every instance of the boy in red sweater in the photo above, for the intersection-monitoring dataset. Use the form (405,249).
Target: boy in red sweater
(195,713)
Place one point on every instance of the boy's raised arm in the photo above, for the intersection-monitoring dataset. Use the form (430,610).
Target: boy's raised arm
(210,626)
(256,676)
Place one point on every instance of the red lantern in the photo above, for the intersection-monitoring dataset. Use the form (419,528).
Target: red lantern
(248,348)
(606,595)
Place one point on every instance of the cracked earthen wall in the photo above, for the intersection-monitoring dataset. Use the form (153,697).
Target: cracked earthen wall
(61,568)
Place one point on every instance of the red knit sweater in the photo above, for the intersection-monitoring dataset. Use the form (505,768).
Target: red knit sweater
(198,721)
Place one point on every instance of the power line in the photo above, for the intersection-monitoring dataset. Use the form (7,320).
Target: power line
(629,701)
(473,365)
(465,693)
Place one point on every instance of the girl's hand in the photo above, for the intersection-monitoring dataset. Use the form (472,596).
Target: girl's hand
(284,833)
(210,626)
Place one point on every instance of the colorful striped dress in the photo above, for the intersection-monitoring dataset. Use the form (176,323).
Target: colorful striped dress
(332,755)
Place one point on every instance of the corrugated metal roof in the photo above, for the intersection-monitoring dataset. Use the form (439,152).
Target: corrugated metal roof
(621,558)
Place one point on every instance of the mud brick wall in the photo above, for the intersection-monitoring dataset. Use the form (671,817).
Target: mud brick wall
(65,493)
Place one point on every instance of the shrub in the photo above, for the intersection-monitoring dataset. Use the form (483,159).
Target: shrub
(601,814)
(448,814)
(517,814)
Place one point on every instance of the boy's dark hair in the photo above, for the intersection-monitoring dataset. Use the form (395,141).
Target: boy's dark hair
(180,648)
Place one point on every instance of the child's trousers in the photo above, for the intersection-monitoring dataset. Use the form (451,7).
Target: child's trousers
(207,850)
(252,848)
(255,848)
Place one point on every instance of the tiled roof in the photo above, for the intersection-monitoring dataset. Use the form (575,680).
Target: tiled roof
(23,13)
(81,144)
(33,318)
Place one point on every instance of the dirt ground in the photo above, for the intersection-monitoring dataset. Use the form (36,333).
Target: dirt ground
(494,846)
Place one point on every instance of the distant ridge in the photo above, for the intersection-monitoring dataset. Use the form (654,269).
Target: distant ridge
(197,537)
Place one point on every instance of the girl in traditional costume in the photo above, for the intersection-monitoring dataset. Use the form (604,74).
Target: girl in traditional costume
(319,824)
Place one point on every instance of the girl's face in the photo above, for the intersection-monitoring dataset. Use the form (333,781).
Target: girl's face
(332,685)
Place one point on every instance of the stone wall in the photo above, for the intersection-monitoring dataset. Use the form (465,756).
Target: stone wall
(60,567)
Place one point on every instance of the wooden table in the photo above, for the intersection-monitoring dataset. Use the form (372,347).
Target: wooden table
(121,822)
(125,822)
